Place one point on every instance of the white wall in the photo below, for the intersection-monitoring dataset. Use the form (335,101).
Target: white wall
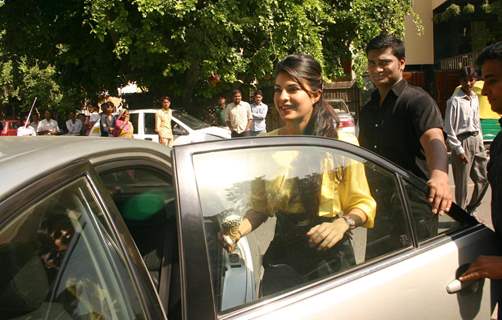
(420,48)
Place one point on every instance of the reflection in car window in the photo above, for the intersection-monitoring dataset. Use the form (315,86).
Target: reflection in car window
(56,263)
(297,188)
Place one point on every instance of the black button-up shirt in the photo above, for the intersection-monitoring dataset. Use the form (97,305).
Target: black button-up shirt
(393,129)
(495,178)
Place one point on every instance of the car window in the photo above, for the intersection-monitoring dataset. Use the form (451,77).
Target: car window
(149,123)
(190,121)
(427,225)
(146,198)
(57,262)
(133,117)
(295,189)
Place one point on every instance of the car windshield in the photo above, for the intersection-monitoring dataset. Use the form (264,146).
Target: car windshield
(190,121)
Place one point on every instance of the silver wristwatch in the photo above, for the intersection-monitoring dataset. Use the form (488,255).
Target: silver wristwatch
(350,222)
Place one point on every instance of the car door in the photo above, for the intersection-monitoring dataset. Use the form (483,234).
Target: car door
(64,253)
(402,264)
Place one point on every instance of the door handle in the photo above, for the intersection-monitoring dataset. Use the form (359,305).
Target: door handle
(149,139)
(457,286)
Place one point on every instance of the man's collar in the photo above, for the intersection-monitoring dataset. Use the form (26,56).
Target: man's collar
(399,87)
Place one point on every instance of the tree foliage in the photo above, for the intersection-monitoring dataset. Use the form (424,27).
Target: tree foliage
(191,49)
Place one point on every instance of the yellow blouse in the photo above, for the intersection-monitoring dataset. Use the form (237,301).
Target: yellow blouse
(342,187)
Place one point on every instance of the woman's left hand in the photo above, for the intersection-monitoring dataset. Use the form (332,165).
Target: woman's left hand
(325,235)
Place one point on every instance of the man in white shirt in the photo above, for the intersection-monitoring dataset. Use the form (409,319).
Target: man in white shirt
(48,126)
(238,116)
(463,128)
(259,111)
(74,125)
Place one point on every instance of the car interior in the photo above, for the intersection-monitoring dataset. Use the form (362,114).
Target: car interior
(146,201)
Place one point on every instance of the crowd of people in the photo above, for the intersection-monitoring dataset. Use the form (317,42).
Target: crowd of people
(112,122)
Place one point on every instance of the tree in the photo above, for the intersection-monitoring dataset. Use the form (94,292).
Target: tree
(192,49)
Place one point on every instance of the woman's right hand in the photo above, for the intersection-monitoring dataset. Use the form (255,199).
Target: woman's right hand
(228,242)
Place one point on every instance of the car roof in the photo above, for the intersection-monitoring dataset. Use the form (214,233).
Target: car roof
(24,158)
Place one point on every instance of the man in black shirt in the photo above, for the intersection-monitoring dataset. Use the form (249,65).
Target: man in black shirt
(402,122)
(490,61)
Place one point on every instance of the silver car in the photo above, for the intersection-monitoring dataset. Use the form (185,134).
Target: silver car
(103,228)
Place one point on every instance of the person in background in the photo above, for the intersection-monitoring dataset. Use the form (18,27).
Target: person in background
(74,125)
(219,111)
(123,127)
(48,126)
(238,116)
(107,121)
(83,119)
(35,119)
(93,117)
(402,122)
(259,111)
(490,61)
(163,122)
(463,128)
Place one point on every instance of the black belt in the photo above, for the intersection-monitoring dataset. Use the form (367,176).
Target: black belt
(464,135)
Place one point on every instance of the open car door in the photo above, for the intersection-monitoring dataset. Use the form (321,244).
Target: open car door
(402,262)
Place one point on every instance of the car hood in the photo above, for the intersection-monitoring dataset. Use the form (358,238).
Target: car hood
(221,132)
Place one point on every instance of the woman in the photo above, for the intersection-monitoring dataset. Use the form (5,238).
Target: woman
(123,127)
(314,220)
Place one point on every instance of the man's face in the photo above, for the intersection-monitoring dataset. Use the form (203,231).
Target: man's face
(258,98)
(237,98)
(222,101)
(384,68)
(492,75)
(468,84)
(72,115)
(166,103)
(47,115)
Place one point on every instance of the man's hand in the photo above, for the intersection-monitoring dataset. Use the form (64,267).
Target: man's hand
(325,235)
(463,158)
(439,192)
(484,267)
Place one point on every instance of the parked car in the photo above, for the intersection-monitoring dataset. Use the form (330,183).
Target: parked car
(347,123)
(127,229)
(10,127)
(186,128)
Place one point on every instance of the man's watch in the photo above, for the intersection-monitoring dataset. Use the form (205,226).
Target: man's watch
(350,222)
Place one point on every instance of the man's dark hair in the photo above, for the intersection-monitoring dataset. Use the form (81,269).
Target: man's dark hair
(165,98)
(492,52)
(235,91)
(385,41)
(467,73)
(258,92)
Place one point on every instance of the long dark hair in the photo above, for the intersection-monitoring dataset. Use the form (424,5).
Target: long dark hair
(307,72)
